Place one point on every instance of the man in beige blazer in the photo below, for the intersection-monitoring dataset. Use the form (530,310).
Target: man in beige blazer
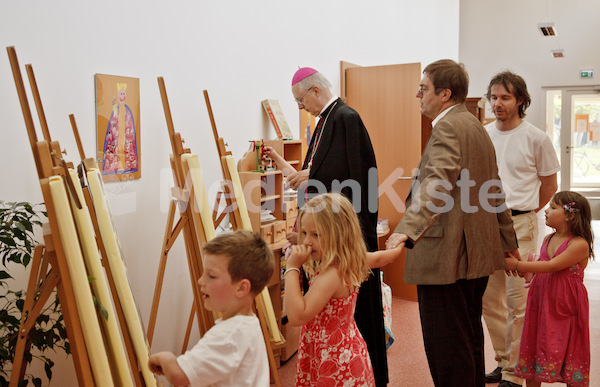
(456,227)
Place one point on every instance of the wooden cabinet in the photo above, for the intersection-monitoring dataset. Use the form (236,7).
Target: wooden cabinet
(476,106)
(263,192)
(290,150)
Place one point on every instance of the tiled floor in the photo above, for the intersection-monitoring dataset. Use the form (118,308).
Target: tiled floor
(406,357)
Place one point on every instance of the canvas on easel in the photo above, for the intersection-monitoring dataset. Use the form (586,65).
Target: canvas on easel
(118,127)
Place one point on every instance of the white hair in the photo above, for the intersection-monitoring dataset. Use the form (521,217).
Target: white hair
(316,79)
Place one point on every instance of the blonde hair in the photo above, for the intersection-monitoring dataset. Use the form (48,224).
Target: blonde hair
(340,237)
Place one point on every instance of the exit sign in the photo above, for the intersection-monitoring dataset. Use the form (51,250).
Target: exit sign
(586,74)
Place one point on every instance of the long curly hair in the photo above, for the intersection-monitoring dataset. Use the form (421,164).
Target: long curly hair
(340,238)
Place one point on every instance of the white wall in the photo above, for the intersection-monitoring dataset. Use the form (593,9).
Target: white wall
(499,35)
(240,51)
(495,36)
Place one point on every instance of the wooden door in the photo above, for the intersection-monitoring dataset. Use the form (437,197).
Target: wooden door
(384,96)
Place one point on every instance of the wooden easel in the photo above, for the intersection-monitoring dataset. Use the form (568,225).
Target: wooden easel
(226,188)
(49,269)
(134,360)
(101,291)
(194,233)
(43,281)
(237,222)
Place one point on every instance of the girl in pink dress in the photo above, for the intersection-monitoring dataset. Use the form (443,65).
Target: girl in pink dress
(331,250)
(555,345)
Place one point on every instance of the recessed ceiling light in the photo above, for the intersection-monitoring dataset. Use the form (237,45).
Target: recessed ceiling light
(558,53)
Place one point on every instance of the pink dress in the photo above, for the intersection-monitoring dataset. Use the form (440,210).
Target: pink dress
(555,344)
(332,351)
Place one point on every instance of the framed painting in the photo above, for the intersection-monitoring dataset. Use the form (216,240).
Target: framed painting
(118,127)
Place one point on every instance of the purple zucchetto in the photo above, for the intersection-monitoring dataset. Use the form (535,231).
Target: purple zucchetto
(303,73)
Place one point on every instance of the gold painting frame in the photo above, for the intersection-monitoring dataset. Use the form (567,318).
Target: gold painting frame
(118,127)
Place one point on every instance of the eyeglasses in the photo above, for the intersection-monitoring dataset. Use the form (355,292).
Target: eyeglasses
(299,100)
(424,90)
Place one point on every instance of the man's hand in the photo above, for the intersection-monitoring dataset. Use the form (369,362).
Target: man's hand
(395,240)
(297,178)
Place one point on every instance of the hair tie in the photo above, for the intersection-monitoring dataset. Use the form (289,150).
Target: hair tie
(570,207)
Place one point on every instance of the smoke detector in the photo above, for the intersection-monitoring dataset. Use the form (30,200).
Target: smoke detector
(547,29)
(558,53)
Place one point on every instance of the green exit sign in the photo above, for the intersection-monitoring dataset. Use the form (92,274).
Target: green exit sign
(586,74)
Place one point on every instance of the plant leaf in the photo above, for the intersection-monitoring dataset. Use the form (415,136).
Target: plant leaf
(20,304)
(48,368)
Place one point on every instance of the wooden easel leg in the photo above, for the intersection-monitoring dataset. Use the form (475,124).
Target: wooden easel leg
(188,331)
(74,331)
(216,208)
(161,271)
(18,372)
(263,324)
(129,347)
(133,359)
(36,299)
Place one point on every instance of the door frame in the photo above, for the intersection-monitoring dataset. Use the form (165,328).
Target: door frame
(567,92)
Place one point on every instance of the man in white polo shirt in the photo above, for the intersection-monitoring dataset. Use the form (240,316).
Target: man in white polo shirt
(527,165)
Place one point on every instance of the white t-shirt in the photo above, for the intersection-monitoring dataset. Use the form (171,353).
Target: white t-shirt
(231,354)
(523,154)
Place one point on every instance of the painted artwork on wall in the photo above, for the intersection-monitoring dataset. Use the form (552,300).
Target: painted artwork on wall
(118,127)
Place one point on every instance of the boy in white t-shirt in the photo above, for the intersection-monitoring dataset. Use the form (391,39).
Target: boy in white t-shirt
(237,266)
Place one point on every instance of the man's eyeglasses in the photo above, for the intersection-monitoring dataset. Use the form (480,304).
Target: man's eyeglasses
(299,100)
(424,90)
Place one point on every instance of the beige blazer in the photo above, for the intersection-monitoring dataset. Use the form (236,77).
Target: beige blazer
(455,234)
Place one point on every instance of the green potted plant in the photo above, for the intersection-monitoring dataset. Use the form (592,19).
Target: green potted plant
(18,222)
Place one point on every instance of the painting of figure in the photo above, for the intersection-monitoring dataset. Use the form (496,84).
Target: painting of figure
(118,127)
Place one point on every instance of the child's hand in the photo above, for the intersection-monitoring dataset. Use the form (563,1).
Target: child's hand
(270,152)
(154,364)
(511,265)
(299,255)
(292,238)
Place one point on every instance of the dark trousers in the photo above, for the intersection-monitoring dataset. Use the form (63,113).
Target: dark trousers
(453,332)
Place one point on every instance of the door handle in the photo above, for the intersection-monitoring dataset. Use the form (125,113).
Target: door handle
(569,147)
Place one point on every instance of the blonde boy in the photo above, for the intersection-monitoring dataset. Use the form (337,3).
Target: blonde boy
(237,266)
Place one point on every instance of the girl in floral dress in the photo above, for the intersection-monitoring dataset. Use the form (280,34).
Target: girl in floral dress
(332,252)
(555,345)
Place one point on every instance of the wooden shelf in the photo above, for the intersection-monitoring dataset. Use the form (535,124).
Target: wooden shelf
(290,150)
(265,191)
(267,198)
